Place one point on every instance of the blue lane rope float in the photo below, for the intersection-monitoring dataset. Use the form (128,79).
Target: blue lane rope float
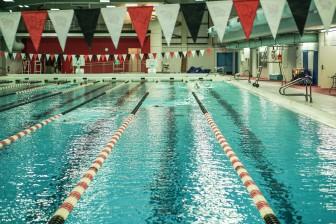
(14,138)
(70,202)
(259,200)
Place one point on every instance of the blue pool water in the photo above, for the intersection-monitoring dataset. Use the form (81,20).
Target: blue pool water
(168,167)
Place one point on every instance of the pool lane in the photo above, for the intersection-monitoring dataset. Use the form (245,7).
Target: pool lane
(167,168)
(286,153)
(44,165)
(22,117)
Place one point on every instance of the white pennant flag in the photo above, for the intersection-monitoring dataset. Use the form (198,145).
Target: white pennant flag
(202,52)
(124,56)
(167,54)
(167,16)
(107,56)
(141,56)
(39,56)
(176,53)
(90,57)
(133,56)
(47,57)
(31,56)
(193,53)
(115,57)
(273,11)
(98,57)
(220,12)
(326,9)
(61,20)
(14,56)
(56,57)
(6,55)
(64,57)
(185,53)
(114,20)
(9,23)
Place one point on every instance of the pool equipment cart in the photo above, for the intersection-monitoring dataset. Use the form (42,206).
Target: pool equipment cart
(306,81)
(70,202)
(259,200)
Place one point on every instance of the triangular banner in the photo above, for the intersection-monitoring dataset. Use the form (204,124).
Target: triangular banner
(61,20)
(141,56)
(133,56)
(202,52)
(273,12)
(193,53)
(87,21)
(56,57)
(326,9)
(300,10)
(140,17)
(176,53)
(114,20)
(167,16)
(14,56)
(64,57)
(6,55)
(9,23)
(180,54)
(124,56)
(47,57)
(98,57)
(193,15)
(198,53)
(90,57)
(246,10)
(39,57)
(184,53)
(35,21)
(220,12)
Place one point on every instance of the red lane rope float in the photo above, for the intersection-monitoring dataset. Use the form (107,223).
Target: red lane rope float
(259,200)
(70,202)
(27,131)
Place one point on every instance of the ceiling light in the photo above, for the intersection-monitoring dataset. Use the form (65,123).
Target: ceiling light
(26,6)
(21,6)
(104,1)
(110,6)
(8,0)
(54,9)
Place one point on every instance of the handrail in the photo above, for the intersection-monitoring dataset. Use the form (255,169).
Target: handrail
(308,84)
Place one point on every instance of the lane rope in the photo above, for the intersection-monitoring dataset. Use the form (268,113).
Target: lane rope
(70,202)
(35,127)
(259,200)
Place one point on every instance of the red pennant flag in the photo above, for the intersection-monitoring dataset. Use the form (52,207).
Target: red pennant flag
(246,10)
(140,17)
(154,55)
(35,21)
(208,51)
(2,54)
(52,57)
(189,54)
(69,57)
(172,54)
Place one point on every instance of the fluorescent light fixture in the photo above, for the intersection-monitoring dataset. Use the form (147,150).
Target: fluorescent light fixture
(8,0)
(54,9)
(104,1)
(26,6)
(110,6)
(21,6)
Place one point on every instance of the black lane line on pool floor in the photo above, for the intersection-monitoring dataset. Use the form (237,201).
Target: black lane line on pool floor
(13,138)
(259,200)
(64,177)
(31,100)
(70,202)
(166,194)
(253,148)
(53,109)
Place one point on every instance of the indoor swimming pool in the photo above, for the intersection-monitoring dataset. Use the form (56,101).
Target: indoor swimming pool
(168,166)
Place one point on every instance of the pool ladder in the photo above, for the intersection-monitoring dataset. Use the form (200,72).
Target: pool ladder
(307,81)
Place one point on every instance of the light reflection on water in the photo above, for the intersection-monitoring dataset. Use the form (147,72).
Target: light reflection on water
(168,167)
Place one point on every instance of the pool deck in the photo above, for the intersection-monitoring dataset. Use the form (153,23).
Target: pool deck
(323,108)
